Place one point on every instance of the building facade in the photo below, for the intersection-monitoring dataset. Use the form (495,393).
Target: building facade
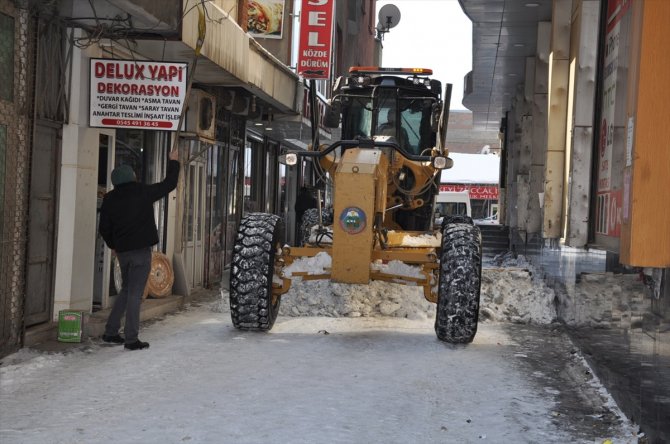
(69,114)
(576,88)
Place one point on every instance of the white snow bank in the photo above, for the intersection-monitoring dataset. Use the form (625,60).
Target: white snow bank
(421,240)
(310,265)
(507,294)
(398,268)
(513,295)
(325,298)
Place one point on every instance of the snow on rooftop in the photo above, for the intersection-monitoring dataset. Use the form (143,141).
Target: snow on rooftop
(473,168)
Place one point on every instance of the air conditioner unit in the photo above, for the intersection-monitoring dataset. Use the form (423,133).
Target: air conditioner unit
(240,103)
(200,114)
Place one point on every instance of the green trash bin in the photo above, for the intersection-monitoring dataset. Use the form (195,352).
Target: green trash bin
(70,325)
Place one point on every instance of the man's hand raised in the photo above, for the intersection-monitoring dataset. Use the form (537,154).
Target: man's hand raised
(174,154)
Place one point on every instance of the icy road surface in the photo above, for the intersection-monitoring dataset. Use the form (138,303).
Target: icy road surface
(311,380)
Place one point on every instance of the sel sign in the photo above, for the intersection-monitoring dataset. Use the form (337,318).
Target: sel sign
(136,94)
(316,35)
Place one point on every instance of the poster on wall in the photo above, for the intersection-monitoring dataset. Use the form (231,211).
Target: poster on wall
(612,140)
(136,94)
(265,18)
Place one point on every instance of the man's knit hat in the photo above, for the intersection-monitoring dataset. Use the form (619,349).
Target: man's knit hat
(122,174)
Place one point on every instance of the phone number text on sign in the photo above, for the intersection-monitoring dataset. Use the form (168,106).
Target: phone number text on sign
(136,94)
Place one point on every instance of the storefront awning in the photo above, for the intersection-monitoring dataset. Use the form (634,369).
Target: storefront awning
(157,31)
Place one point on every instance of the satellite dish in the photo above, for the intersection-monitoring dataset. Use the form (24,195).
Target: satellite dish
(389,16)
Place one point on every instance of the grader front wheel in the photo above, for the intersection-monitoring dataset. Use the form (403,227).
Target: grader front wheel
(460,283)
(252,305)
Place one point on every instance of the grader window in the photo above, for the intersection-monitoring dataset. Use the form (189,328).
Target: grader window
(415,123)
(358,121)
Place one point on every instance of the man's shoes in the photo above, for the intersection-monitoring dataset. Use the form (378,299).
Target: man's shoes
(114,339)
(137,345)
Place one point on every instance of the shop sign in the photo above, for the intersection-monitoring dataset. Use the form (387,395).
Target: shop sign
(479,192)
(265,18)
(316,39)
(609,210)
(616,10)
(136,94)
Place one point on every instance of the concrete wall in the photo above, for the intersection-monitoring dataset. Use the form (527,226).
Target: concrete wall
(461,137)
(76,231)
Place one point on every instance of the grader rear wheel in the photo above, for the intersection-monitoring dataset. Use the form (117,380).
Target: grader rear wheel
(258,242)
(460,283)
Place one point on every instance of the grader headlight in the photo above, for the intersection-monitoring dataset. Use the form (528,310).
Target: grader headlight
(291,159)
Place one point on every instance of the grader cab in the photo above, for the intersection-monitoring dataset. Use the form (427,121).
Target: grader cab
(384,174)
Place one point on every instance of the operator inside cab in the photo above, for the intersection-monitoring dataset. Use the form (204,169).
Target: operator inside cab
(390,128)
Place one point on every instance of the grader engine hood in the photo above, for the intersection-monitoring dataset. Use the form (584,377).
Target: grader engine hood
(360,195)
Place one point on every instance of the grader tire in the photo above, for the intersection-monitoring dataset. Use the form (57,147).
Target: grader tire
(311,218)
(459,284)
(259,238)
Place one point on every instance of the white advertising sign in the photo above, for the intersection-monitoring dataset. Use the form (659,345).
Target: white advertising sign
(136,94)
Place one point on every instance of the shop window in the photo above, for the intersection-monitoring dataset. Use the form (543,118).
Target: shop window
(254,176)
(271,181)
(146,152)
(130,148)
(282,210)
(214,216)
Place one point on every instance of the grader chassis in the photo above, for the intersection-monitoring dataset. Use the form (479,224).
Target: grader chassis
(385,175)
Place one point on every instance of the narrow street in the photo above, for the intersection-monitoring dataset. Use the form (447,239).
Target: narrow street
(311,379)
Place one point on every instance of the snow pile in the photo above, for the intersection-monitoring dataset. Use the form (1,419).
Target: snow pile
(325,298)
(310,265)
(420,240)
(508,259)
(605,300)
(508,293)
(397,268)
(513,295)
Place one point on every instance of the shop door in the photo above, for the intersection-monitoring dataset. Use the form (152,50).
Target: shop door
(232,213)
(103,277)
(194,252)
(39,277)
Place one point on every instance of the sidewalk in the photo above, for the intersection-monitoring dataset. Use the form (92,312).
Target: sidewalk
(44,337)
(621,329)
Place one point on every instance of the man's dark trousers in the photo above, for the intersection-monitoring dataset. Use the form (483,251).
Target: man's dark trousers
(135,268)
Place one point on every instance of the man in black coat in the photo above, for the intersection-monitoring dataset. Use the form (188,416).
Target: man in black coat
(128,227)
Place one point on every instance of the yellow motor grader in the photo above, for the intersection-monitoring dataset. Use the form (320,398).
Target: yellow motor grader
(385,174)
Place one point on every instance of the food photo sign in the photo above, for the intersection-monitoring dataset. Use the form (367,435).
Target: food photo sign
(265,18)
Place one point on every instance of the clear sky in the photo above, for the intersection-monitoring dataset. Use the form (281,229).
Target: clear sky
(431,34)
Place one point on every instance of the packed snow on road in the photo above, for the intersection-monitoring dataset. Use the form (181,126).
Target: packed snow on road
(343,364)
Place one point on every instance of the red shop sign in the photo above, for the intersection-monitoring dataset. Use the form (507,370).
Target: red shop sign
(484,192)
(316,39)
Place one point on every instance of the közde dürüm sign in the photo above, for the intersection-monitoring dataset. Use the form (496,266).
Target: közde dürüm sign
(316,39)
